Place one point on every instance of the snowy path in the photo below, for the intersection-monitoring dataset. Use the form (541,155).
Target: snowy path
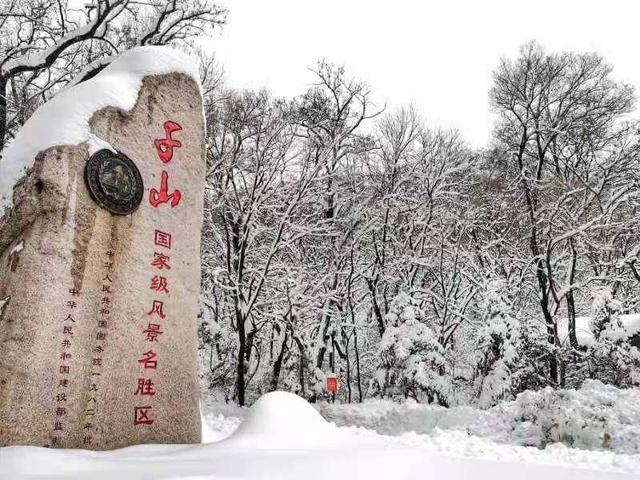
(283,437)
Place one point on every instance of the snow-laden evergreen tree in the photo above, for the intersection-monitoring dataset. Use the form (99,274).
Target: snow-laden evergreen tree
(615,360)
(412,362)
(605,323)
(498,345)
(217,349)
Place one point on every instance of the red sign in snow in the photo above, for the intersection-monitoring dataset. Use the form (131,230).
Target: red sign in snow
(332,383)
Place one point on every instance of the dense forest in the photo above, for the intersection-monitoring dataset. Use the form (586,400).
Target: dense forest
(342,238)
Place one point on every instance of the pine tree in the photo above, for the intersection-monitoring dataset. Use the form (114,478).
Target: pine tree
(615,360)
(499,345)
(412,362)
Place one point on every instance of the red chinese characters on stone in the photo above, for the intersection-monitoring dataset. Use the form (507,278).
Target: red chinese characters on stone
(162,239)
(152,332)
(148,360)
(142,416)
(157,309)
(159,284)
(145,387)
(165,146)
(160,261)
(162,196)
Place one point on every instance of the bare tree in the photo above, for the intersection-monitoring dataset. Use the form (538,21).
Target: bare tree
(45,44)
(331,113)
(261,179)
(551,107)
(315,230)
(389,169)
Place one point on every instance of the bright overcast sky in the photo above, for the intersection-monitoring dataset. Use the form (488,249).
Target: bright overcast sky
(437,55)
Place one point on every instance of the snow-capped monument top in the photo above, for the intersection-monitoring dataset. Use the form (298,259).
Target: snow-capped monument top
(100,261)
(64,120)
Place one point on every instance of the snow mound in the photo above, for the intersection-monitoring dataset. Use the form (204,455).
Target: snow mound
(285,420)
(64,120)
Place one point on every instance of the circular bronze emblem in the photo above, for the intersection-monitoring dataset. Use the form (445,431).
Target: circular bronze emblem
(114,182)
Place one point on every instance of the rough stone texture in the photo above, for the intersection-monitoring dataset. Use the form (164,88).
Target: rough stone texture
(63,239)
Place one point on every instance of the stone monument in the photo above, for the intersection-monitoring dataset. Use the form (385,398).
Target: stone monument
(100,262)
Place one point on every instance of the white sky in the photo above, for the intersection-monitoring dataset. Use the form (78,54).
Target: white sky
(438,55)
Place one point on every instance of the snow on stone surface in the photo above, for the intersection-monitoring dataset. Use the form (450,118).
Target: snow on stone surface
(65,118)
(271,445)
(18,248)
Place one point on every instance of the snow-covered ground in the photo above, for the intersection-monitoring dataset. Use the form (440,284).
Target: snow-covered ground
(283,437)
(596,417)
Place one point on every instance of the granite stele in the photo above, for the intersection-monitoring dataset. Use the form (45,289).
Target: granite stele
(100,262)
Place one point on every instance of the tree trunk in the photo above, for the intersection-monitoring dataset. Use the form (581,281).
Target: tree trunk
(348,361)
(325,337)
(376,307)
(329,214)
(571,315)
(3,112)
(333,361)
(277,365)
(571,305)
(301,371)
(355,333)
(357,352)
(552,332)
(532,206)
(242,347)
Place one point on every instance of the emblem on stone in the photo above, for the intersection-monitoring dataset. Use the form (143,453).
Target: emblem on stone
(114,182)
